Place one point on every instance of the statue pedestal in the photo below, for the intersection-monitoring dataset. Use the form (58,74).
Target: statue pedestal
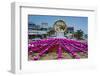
(60,35)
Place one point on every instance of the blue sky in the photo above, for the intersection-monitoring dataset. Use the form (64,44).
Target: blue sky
(77,22)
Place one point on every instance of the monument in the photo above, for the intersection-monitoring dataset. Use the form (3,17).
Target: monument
(60,27)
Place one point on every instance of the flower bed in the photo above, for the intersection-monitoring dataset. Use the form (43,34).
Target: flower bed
(72,47)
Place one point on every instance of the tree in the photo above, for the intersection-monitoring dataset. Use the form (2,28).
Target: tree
(79,34)
(51,32)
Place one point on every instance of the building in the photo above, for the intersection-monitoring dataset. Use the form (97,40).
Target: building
(70,29)
(69,32)
(37,31)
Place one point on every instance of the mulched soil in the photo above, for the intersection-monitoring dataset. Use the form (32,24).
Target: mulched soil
(54,55)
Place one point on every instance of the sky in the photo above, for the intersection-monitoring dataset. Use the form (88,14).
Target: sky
(78,22)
